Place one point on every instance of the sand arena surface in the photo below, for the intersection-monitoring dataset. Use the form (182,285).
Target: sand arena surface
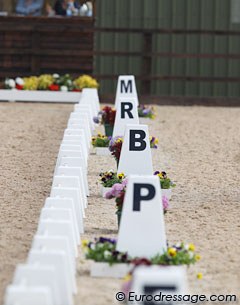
(199,149)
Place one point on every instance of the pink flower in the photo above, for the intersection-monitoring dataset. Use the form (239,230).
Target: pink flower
(108,195)
(165,202)
(116,189)
(124,182)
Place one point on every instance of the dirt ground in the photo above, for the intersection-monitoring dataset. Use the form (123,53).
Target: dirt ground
(199,149)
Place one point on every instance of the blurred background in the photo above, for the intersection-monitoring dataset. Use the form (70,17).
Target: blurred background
(175,48)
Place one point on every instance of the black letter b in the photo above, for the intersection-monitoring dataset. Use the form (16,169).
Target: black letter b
(140,140)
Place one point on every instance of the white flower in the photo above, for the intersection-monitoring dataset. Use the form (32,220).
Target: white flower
(186,247)
(92,246)
(191,254)
(107,254)
(19,81)
(55,75)
(69,82)
(10,83)
(64,88)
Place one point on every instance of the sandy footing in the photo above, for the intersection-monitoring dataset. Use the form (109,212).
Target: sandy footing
(199,149)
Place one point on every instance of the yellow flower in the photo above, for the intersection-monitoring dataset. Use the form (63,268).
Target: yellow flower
(127,278)
(85,243)
(156,141)
(172,252)
(160,175)
(191,247)
(199,276)
(121,175)
(197,257)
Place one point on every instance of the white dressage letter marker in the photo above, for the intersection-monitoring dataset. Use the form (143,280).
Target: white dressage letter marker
(157,282)
(126,87)
(127,113)
(142,229)
(136,157)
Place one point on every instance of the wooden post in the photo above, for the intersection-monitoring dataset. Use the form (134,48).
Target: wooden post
(146,63)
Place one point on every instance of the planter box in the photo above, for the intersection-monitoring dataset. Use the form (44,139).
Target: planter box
(106,270)
(15,95)
(167,193)
(103,151)
(105,190)
(144,121)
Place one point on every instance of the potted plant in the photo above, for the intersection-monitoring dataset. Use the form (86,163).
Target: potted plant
(145,113)
(106,117)
(108,262)
(118,192)
(108,179)
(166,184)
(115,147)
(101,144)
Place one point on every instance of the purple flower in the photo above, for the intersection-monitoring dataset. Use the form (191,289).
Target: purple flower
(146,111)
(107,240)
(156,173)
(96,120)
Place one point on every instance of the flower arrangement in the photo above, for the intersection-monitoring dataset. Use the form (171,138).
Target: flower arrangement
(115,147)
(108,179)
(104,250)
(153,142)
(53,82)
(106,117)
(165,182)
(100,140)
(146,112)
(85,81)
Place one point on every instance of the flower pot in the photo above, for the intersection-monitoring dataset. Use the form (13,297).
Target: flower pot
(167,193)
(154,152)
(108,130)
(103,151)
(105,190)
(118,270)
(119,214)
(144,121)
